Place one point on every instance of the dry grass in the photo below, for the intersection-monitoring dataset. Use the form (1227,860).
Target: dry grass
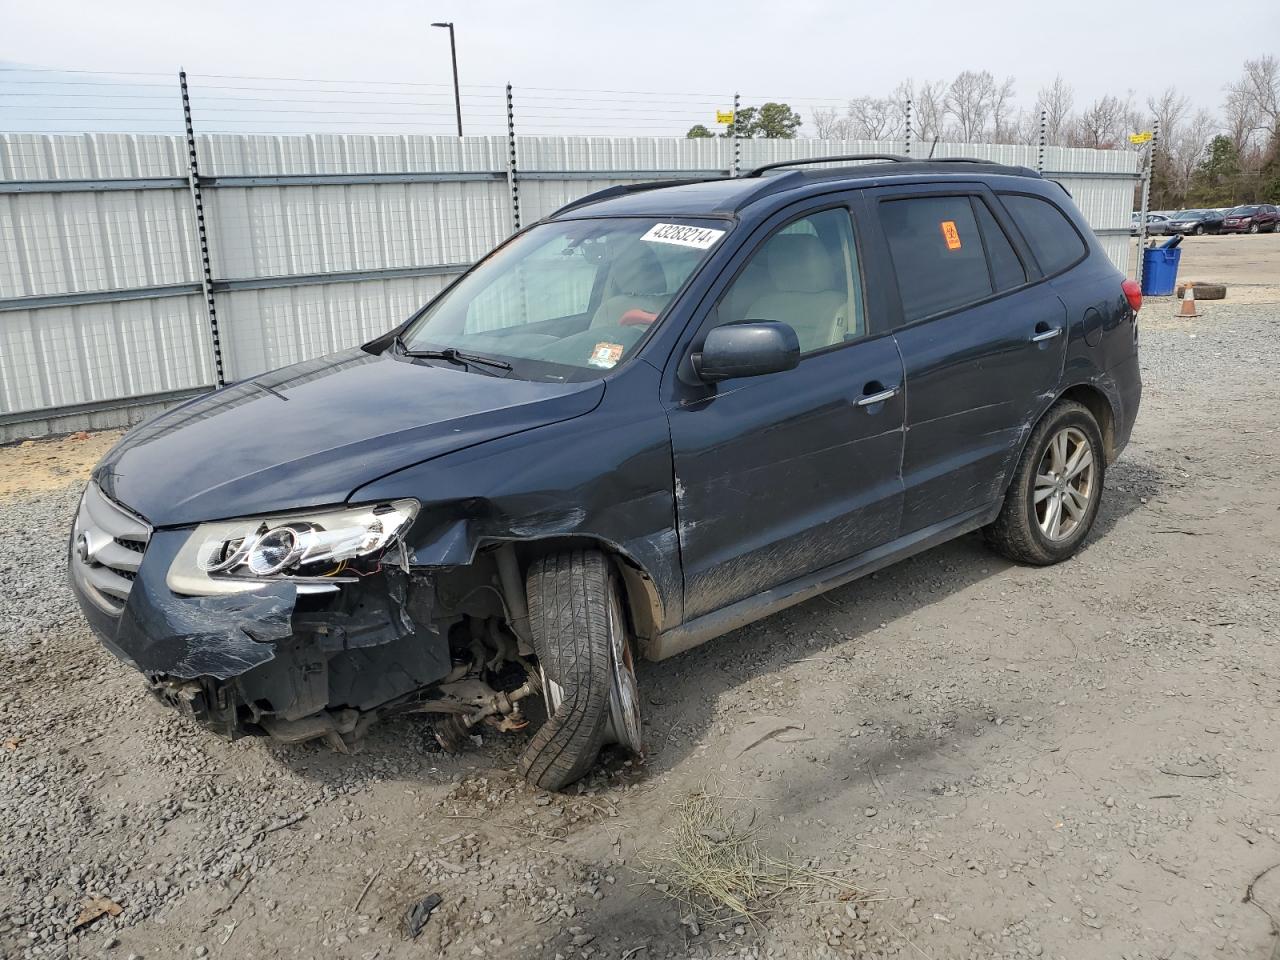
(712,861)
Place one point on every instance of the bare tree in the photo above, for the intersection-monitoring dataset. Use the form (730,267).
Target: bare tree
(829,125)
(1253,104)
(1003,127)
(1168,108)
(1243,119)
(1187,146)
(927,106)
(1261,82)
(968,102)
(1056,101)
(874,118)
(1100,124)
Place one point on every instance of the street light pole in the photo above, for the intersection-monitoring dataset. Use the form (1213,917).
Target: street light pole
(453,50)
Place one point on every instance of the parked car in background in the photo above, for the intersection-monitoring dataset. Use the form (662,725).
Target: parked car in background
(1252,218)
(1156,224)
(1196,222)
(657,415)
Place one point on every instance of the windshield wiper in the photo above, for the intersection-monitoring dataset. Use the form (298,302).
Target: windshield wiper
(451,354)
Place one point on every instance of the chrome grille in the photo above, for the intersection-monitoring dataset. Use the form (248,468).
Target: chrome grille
(107,544)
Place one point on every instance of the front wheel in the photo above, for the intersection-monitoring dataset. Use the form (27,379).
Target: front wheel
(1253,228)
(1054,496)
(1199,231)
(588,678)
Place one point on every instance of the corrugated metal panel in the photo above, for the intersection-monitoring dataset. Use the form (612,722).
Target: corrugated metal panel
(757,152)
(622,153)
(76,242)
(35,156)
(275,231)
(265,329)
(224,155)
(65,356)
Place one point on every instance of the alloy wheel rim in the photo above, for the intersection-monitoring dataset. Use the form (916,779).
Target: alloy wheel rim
(1064,487)
(624,696)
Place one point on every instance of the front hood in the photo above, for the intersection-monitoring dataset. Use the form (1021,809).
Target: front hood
(309,434)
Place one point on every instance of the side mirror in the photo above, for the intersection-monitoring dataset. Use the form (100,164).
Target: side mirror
(746,350)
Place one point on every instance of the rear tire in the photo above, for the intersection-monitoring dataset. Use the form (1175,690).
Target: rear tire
(571,596)
(1062,469)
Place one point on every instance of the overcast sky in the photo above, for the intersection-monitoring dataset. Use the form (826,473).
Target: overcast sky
(693,54)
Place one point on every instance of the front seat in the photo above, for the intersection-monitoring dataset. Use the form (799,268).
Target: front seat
(807,292)
(636,283)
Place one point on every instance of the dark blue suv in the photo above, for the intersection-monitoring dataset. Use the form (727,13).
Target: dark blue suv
(663,412)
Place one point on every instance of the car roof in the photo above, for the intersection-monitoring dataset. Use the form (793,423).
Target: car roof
(727,196)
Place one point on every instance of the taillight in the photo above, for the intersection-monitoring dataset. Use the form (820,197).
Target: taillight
(1132,293)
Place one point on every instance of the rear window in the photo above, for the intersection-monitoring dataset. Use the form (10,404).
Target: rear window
(937,254)
(1050,235)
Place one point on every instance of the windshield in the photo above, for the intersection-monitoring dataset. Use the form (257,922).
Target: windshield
(1190,215)
(568,300)
(1243,211)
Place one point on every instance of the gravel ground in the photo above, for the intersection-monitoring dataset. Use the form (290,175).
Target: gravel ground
(1067,762)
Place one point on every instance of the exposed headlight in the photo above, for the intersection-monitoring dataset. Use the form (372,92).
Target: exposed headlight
(312,549)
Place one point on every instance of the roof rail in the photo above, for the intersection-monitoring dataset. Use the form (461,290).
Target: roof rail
(623,189)
(895,157)
(964,160)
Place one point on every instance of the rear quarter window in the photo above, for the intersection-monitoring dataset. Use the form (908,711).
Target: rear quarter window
(1052,237)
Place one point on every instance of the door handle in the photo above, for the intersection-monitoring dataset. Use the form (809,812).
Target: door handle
(869,399)
(1043,335)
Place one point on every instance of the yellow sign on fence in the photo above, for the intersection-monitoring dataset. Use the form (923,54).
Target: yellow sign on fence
(724,116)
(1143,137)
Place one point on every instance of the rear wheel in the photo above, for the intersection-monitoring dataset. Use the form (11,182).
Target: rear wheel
(1053,499)
(580,637)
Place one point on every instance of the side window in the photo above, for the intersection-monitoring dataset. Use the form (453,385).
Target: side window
(805,275)
(1050,235)
(1006,269)
(937,254)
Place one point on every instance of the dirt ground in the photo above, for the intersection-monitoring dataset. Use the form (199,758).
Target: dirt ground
(1070,762)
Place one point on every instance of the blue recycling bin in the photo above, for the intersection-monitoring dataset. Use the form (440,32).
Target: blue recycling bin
(1160,271)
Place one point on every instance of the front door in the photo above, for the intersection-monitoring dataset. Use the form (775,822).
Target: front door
(781,475)
(982,344)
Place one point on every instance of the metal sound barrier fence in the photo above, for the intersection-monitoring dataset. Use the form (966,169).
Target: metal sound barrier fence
(139,269)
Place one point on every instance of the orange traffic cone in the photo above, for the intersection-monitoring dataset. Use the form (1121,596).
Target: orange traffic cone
(1187,305)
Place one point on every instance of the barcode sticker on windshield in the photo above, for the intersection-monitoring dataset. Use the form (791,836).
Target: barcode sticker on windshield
(700,237)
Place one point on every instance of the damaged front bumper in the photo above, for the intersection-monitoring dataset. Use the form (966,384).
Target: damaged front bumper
(268,661)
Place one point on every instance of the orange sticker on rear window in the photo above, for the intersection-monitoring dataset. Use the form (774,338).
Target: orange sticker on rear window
(951,234)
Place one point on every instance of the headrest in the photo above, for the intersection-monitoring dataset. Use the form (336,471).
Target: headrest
(799,263)
(638,271)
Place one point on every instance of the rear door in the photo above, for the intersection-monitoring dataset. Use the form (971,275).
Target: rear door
(982,345)
(778,476)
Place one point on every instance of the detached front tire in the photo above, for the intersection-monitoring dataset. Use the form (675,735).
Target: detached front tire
(580,638)
(1056,490)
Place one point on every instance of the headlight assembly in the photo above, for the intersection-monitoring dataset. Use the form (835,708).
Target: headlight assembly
(317,551)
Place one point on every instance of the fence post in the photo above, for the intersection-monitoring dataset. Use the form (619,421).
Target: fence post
(735,166)
(1044,138)
(908,153)
(1149,169)
(202,235)
(513,180)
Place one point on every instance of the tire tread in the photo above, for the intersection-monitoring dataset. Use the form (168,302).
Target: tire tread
(569,614)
